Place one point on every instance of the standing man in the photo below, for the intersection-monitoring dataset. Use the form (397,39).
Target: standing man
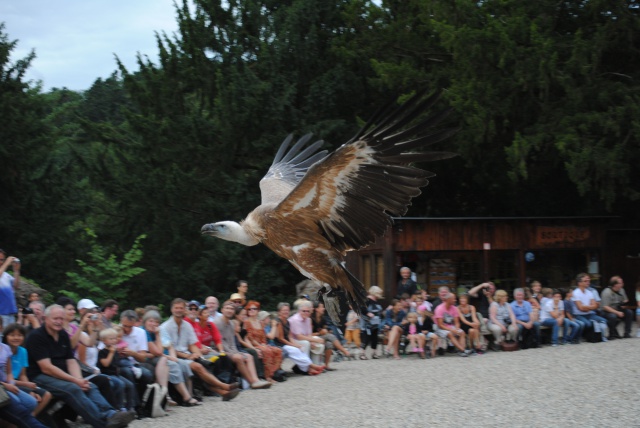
(243,362)
(53,367)
(586,306)
(613,300)
(524,318)
(212,304)
(8,284)
(406,284)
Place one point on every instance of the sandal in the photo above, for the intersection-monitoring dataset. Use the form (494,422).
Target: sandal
(364,357)
(191,402)
(375,357)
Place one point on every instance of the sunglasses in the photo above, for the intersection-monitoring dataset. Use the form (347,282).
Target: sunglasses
(193,309)
(252,309)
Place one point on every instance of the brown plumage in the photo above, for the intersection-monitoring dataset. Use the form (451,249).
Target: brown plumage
(316,207)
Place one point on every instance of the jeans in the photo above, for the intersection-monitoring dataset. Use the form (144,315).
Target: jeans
(576,330)
(551,322)
(25,399)
(588,319)
(90,404)
(124,389)
(536,329)
(20,416)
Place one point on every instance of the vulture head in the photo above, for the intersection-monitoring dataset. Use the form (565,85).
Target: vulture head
(229,231)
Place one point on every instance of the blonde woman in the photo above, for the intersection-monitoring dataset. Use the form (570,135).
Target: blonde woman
(502,321)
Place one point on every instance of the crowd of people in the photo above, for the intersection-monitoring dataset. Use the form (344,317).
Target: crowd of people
(73,359)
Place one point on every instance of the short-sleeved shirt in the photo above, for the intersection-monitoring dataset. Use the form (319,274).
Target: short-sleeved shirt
(136,341)
(448,315)
(111,369)
(547,307)
(612,298)
(299,325)
(180,337)
(41,345)
(228,333)
(5,356)
(522,312)
(583,297)
(7,296)
(19,360)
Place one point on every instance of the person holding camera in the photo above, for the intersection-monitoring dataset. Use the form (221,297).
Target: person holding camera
(8,283)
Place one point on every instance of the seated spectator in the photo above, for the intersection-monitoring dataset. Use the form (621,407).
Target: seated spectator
(135,352)
(413,331)
(271,355)
(301,329)
(570,319)
(526,321)
(243,344)
(502,321)
(425,320)
(614,298)
(53,367)
(528,296)
(36,318)
(178,371)
(74,330)
(206,331)
(552,315)
(243,362)
(85,306)
(8,382)
(108,358)
(393,322)
(321,329)
(443,291)
(638,309)
(586,305)
(180,335)
(536,290)
(109,311)
(292,349)
(17,414)
(14,336)
(237,299)
(470,324)
(34,296)
(212,304)
(447,319)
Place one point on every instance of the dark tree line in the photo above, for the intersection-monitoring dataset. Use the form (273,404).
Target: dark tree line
(546,94)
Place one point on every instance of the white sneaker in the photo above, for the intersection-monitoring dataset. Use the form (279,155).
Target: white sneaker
(137,372)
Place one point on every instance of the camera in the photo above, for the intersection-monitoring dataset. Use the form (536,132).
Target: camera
(16,260)
(93,317)
(27,311)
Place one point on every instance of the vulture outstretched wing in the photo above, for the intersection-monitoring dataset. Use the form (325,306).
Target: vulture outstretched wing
(352,192)
(288,168)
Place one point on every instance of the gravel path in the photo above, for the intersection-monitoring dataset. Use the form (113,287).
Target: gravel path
(587,385)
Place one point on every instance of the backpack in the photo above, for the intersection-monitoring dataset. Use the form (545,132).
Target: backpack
(154,401)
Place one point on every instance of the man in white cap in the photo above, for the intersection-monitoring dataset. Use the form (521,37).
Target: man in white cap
(86,305)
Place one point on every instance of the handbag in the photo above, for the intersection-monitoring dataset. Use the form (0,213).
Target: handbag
(4,397)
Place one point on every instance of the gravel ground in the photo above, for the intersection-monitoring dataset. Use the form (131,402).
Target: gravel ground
(587,385)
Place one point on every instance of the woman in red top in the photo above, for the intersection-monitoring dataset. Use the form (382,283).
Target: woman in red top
(271,355)
(207,332)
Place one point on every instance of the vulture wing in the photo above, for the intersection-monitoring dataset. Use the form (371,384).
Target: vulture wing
(289,167)
(352,193)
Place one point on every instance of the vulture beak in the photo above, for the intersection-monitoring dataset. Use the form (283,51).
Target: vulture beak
(209,229)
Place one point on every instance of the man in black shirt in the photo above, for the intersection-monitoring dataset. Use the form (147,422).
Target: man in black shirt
(53,367)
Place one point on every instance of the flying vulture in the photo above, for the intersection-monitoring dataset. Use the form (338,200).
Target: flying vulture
(316,207)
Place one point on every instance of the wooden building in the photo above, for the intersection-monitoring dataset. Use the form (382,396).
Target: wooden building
(510,251)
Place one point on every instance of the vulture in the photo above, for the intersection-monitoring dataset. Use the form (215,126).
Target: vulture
(317,206)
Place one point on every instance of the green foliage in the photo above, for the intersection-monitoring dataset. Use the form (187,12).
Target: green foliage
(103,276)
